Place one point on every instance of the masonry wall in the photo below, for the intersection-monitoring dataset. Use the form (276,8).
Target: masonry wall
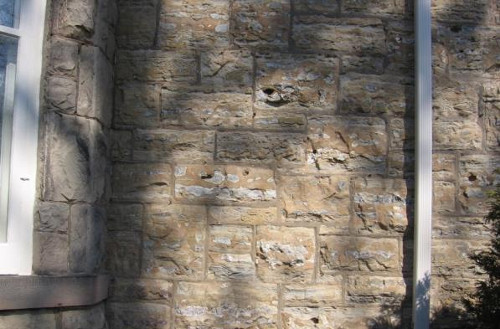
(74,166)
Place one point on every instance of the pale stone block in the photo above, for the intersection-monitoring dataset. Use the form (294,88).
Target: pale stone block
(241,215)
(89,317)
(375,289)
(492,121)
(175,212)
(227,70)
(315,295)
(455,227)
(230,238)
(451,258)
(52,217)
(137,105)
(61,94)
(159,291)
(74,18)
(50,253)
(124,253)
(444,194)
(228,266)
(457,135)
(401,134)
(277,120)
(31,319)
(138,316)
(63,57)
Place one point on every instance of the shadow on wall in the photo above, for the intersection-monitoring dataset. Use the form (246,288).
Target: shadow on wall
(231,203)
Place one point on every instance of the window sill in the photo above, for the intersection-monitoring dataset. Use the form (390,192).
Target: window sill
(23,292)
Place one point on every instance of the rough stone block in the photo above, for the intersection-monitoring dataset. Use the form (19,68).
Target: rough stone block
(451,258)
(228,266)
(291,82)
(261,24)
(63,58)
(401,164)
(492,122)
(88,317)
(375,95)
(241,215)
(315,198)
(315,295)
(159,291)
(358,254)
(282,149)
(28,320)
(316,6)
(380,205)
(457,135)
(61,94)
(164,145)
(124,253)
(121,145)
(177,213)
(285,254)
(225,110)
(339,144)
(50,253)
(194,24)
(354,36)
(226,305)
(215,184)
(400,41)
(74,18)
(137,24)
(444,194)
(463,10)
(401,134)
(375,289)
(52,217)
(473,228)
(138,316)
(105,27)
(368,64)
(230,238)
(124,217)
(277,120)
(227,70)
(155,65)
(137,105)
(444,167)
(457,101)
(378,7)
(142,182)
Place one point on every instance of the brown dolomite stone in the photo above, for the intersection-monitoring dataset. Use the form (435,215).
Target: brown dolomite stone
(124,253)
(491,99)
(400,47)
(241,215)
(380,205)
(444,197)
(315,198)
(277,120)
(378,7)
(229,266)
(121,145)
(227,70)
(461,10)
(137,24)
(460,228)
(283,149)
(401,134)
(375,289)
(452,257)
(457,135)
(315,295)
(216,184)
(138,316)
(142,289)
(316,6)
(142,182)
(230,238)
(164,145)
(285,254)
(137,104)
(226,305)
(124,217)
(63,58)
(93,317)
(295,82)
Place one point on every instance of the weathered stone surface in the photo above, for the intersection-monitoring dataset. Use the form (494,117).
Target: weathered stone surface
(380,205)
(460,228)
(137,105)
(50,253)
(339,144)
(228,70)
(357,253)
(491,98)
(177,213)
(138,316)
(354,36)
(166,145)
(457,101)
(124,217)
(105,27)
(277,120)
(378,7)
(124,253)
(229,266)
(159,291)
(476,176)
(61,94)
(226,110)
(400,47)
(444,194)
(285,253)
(261,23)
(230,238)
(224,184)
(401,164)
(52,217)
(375,289)
(142,182)
(241,215)
(74,18)
(63,58)
(226,305)
(283,149)
(194,24)
(173,248)
(155,65)
(315,295)
(402,134)
(121,145)
(452,257)
(457,135)
(374,95)
(295,82)
(373,64)
(462,10)
(316,6)
(314,198)
(89,317)
(28,320)
(137,24)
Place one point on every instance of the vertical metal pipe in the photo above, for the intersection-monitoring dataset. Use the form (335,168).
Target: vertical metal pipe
(423,168)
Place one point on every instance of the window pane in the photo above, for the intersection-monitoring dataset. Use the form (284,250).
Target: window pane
(8,13)
(8,55)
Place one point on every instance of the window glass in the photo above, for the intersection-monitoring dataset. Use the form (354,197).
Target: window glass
(8,55)
(8,13)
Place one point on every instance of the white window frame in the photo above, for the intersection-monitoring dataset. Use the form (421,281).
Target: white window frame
(16,254)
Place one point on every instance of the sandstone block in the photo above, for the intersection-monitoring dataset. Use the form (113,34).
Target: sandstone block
(217,184)
(380,205)
(74,18)
(456,102)
(155,65)
(375,289)
(400,47)
(138,316)
(227,70)
(316,6)
(315,198)
(354,36)
(241,215)
(378,7)
(63,58)
(261,24)
(226,110)
(368,64)
(358,254)
(273,120)
(88,317)
(142,182)
(52,217)
(124,217)
(285,253)
(228,266)
(50,251)
(124,253)
(492,121)
(283,149)
(452,257)
(105,27)
(28,320)
(137,24)
(400,164)
(177,213)
(457,135)
(296,82)
(164,145)
(456,227)
(340,144)
(230,238)
(462,10)
(137,104)
(315,295)
(444,194)
(121,145)
(61,94)
(159,291)
(193,24)
(402,134)
(226,305)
